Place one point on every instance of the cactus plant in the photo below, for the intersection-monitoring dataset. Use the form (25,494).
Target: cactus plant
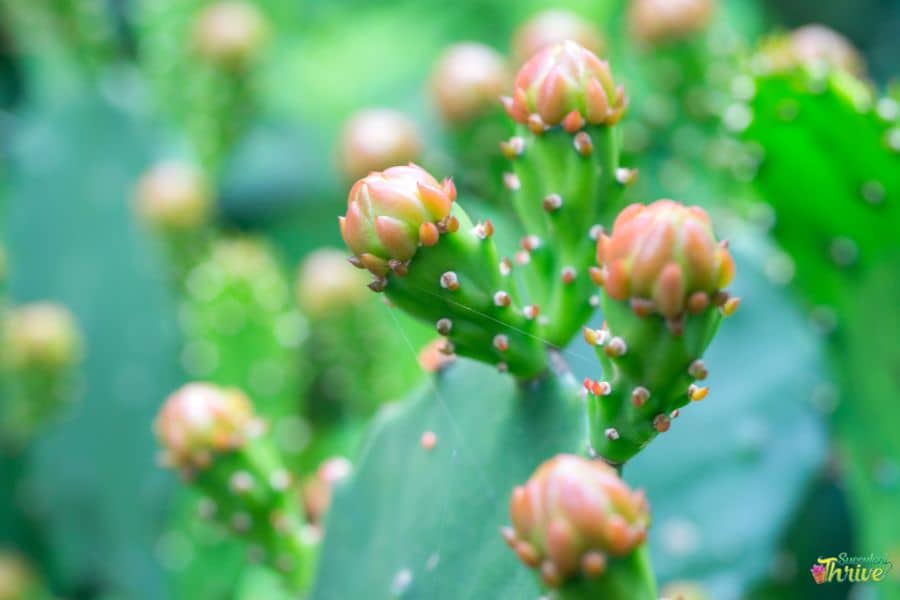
(841,257)
(212,437)
(41,347)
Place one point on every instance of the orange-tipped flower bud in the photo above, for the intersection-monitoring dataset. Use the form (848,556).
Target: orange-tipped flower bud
(173,196)
(374,139)
(200,420)
(390,213)
(813,45)
(41,335)
(562,80)
(552,27)
(660,21)
(230,33)
(326,283)
(468,80)
(571,515)
(664,255)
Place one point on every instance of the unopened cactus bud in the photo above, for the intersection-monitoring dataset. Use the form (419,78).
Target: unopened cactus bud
(660,21)
(664,258)
(41,336)
(230,33)
(18,580)
(812,46)
(580,526)
(391,212)
(318,488)
(566,104)
(173,196)
(201,420)
(684,590)
(374,139)
(467,81)
(663,274)
(432,261)
(212,437)
(565,84)
(552,27)
(327,283)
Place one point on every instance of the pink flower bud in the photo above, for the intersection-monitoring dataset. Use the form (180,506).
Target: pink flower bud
(812,45)
(173,196)
(230,33)
(563,79)
(375,139)
(200,420)
(327,282)
(552,27)
(468,80)
(41,335)
(660,21)
(573,513)
(665,255)
(386,212)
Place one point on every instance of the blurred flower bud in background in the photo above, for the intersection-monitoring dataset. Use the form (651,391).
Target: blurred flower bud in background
(374,139)
(468,81)
(552,27)
(173,196)
(230,33)
(812,46)
(327,282)
(41,335)
(661,21)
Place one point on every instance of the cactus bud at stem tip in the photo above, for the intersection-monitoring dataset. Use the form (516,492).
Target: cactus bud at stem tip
(390,213)
(664,258)
(200,420)
(571,515)
(565,84)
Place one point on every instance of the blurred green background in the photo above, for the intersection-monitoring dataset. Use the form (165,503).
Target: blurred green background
(93,93)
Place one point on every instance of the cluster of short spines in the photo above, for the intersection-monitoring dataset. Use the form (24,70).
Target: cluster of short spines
(663,275)
(211,436)
(577,523)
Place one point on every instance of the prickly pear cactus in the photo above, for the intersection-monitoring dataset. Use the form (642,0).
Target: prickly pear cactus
(817,131)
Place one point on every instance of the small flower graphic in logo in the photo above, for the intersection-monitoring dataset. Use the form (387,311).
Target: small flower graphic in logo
(818,573)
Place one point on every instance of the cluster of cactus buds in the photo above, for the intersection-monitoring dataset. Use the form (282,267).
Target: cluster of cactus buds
(566,182)
(663,274)
(582,528)
(374,139)
(655,22)
(213,438)
(434,262)
(230,33)
(553,27)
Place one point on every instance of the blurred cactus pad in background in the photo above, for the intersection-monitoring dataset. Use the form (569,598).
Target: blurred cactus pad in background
(476,300)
